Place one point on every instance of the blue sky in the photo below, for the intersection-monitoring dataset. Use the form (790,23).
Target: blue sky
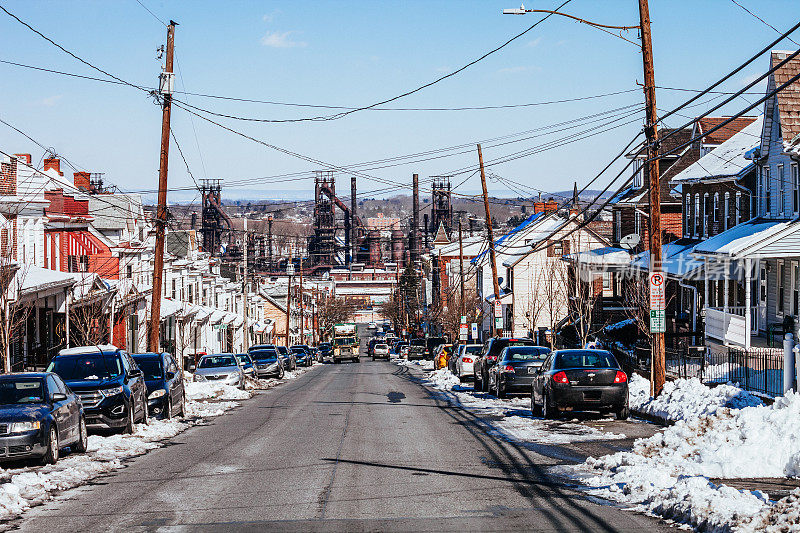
(355,53)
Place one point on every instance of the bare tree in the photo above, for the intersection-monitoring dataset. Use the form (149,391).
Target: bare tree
(334,310)
(14,311)
(636,300)
(88,322)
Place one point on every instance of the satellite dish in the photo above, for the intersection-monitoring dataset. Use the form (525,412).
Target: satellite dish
(629,242)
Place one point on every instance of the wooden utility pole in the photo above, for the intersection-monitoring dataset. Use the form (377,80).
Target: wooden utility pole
(302,306)
(245,290)
(461,267)
(496,331)
(657,354)
(290,268)
(166,88)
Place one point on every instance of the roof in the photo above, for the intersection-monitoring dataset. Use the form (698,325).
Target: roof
(726,160)
(746,238)
(98,349)
(541,231)
(33,278)
(670,143)
(604,257)
(441,236)
(509,236)
(676,258)
(789,98)
(170,307)
(114,211)
(724,133)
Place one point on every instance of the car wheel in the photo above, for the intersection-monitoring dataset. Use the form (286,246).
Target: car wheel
(358,360)
(183,404)
(548,410)
(168,409)
(535,409)
(281,373)
(51,455)
(145,414)
(623,413)
(499,390)
(83,437)
(129,422)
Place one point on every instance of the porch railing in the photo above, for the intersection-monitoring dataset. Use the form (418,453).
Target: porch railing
(728,324)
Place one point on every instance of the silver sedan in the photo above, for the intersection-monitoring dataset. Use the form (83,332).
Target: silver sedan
(222,367)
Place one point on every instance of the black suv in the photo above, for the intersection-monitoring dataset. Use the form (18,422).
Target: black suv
(488,357)
(110,385)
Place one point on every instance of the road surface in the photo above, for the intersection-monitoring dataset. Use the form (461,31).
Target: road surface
(348,447)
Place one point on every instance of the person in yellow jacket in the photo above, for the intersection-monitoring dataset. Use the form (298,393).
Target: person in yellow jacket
(442,355)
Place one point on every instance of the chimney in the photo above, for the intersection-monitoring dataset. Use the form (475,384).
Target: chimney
(80,179)
(54,163)
(25,157)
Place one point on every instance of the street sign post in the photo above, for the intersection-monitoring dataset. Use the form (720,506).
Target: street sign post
(658,303)
(474,331)
(462,332)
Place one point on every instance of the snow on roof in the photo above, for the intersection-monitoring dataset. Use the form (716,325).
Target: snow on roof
(35,278)
(170,307)
(739,238)
(606,256)
(727,159)
(676,259)
(508,238)
(618,197)
(80,350)
(542,230)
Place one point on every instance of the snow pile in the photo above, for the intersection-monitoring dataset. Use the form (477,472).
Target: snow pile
(442,379)
(667,474)
(687,399)
(784,515)
(422,363)
(212,390)
(511,418)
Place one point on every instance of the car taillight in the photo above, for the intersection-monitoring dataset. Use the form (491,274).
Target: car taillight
(466,360)
(560,377)
(620,377)
(508,369)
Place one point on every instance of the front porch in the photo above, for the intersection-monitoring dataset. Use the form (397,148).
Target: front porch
(728,326)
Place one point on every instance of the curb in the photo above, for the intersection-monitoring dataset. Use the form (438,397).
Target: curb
(654,419)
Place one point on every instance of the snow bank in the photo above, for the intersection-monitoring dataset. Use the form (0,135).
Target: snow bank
(210,390)
(667,474)
(511,418)
(687,399)
(422,363)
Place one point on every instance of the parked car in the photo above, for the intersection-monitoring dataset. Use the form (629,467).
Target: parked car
(488,356)
(398,346)
(372,325)
(417,349)
(404,351)
(164,380)
(441,354)
(515,369)
(287,357)
(39,415)
(109,383)
(248,367)
(580,380)
(268,363)
(325,351)
(462,361)
(380,350)
(223,367)
(303,354)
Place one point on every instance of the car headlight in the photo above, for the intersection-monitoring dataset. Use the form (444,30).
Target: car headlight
(111,391)
(22,427)
(158,393)
(198,377)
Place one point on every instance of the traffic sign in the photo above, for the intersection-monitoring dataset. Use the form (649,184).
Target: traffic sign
(462,332)
(658,321)
(463,319)
(474,331)
(498,309)
(658,282)
(498,322)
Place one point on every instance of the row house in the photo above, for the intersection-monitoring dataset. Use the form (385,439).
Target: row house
(756,263)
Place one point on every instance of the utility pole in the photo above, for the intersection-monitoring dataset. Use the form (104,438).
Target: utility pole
(415,220)
(302,306)
(461,268)
(290,268)
(497,331)
(245,290)
(269,242)
(657,354)
(166,87)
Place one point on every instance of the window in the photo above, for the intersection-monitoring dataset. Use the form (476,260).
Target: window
(706,213)
(617,225)
(727,208)
(77,263)
(637,223)
(795,294)
(697,214)
(738,210)
(781,289)
(782,189)
(716,207)
(687,215)
(795,189)
(191,294)
(767,192)
(129,271)
(174,288)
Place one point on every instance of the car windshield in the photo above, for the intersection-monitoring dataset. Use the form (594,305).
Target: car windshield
(324,346)
(89,367)
(580,359)
(298,350)
(216,361)
(473,349)
(344,341)
(151,368)
(243,359)
(381,346)
(16,391)
(526,353)
(264,355)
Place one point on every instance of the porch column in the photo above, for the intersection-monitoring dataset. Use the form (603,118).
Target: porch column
(705,283)
(67,299)
(748,315)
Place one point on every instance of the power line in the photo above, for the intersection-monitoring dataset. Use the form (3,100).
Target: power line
(764,21)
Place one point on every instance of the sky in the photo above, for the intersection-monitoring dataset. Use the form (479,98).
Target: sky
(356,53)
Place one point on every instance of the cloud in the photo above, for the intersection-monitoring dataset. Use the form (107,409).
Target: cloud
(276,39)
(747,80)
(269,17)
(534,42)
(50,101)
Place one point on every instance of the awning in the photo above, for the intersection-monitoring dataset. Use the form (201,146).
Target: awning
(757,238)
(35,279)
(603,259)
(169,307)
(216,316)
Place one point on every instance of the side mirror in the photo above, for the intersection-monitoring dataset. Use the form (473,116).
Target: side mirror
(170,375)
(58,397)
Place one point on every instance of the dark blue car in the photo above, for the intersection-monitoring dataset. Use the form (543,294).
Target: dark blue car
(303,354)
(39,415)
(267,362)
(164,381)
(109,383)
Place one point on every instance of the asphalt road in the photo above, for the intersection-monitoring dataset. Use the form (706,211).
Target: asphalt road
(350,447)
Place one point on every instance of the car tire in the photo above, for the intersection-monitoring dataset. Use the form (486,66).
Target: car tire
(549,412)
(358,359)
(168,414)
(145,415)
(83,437)
(535,410)
(51,455)
(129,427)
(499,390)
(183,404)
(623,413)
(281,373)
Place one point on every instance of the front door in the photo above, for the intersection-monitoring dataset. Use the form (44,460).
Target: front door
(761,321)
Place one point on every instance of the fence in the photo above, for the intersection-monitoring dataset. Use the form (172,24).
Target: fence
(754,369)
